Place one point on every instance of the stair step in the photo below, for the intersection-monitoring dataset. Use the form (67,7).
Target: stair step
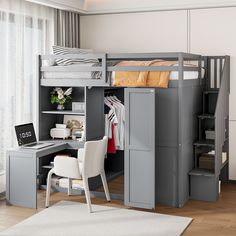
(201,172)
(206,143)
(206,116)
(211,91)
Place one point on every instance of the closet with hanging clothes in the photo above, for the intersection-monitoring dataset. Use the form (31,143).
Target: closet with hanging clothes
(114,128)
(114,123)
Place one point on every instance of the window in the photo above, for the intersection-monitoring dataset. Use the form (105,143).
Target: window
(22,37)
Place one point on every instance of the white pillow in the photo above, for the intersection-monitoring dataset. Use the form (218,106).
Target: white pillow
(58,50)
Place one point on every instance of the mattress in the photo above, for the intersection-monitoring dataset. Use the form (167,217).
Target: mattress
(68,74)
(174,75)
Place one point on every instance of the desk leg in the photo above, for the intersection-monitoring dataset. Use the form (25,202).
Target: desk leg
(22,179)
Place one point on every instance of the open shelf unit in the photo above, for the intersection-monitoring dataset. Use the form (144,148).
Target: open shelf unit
(49,116)
(94,126)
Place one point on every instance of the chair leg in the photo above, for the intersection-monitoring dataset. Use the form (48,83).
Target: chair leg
(69,186)
(104,182)
(87,194)
(48,187)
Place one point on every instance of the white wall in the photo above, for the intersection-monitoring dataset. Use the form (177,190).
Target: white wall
(137,32)
(210,32)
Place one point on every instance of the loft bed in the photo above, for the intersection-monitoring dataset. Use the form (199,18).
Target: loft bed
(104,72)
(177,107)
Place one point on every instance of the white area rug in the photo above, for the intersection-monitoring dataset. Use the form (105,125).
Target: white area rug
(72,219)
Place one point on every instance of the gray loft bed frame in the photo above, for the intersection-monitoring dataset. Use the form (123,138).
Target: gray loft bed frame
(177,109)
(104,58)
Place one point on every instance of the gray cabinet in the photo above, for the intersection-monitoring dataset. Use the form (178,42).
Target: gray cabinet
(23,173)
(21,178)
(140,147)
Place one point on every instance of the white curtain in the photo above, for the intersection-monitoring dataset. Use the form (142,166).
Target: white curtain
(26,29)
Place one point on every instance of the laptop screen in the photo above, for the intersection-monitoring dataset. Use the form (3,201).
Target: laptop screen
(25,134)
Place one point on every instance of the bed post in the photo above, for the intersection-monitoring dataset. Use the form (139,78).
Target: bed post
(38,91)
(179,161)
(104,68)
(200,70)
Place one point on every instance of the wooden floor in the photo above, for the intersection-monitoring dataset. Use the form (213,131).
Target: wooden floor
(217,218)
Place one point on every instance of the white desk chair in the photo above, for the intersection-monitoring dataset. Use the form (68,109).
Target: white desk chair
(90,163)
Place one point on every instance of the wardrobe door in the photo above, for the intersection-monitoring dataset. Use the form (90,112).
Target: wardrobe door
(140,147)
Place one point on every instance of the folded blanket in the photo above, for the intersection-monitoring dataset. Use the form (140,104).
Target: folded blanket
(143,78)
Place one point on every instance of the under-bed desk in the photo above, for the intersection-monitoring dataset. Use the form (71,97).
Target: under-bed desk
(23,173)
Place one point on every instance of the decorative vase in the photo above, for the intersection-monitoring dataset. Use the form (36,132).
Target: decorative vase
(60,107)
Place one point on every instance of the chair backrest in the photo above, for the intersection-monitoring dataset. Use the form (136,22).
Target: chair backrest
(94,154)
(66,167)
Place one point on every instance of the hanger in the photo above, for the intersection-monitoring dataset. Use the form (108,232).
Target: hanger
(116,99)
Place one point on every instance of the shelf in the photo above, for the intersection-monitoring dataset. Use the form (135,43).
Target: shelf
(211,91)
(206,116)
(206,143)
(48,166)
(62,82)
(72,144)
(64,112)
(201,172)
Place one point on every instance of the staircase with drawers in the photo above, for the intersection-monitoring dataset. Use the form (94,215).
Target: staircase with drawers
(211,148)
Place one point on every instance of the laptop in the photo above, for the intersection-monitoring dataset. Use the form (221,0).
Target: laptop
(26,137)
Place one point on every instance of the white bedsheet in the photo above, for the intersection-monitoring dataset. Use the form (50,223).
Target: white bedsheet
(174,75)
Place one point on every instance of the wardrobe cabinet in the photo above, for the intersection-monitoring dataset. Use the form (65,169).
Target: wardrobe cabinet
(140,147)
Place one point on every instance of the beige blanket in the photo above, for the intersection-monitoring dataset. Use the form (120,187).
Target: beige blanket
(143,78)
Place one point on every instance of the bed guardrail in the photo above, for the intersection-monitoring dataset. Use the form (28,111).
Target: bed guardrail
(101,57)
(215,66)
(152,56)
(179,57)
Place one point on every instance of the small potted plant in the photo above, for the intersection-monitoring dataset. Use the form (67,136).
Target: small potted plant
(60,97)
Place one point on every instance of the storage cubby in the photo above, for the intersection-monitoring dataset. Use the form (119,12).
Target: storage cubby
(44,165)
(92,117)
(78,95)
(209,101)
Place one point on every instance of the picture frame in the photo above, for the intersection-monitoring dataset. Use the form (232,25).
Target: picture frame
(78,106)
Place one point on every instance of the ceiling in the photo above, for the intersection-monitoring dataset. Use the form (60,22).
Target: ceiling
(120,6)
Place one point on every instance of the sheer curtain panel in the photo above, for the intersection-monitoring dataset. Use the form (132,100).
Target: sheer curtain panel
(26,29)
